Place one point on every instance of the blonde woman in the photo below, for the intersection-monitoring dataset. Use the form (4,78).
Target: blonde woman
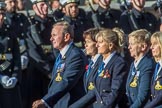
(111,74)
(141,69)
(156,84)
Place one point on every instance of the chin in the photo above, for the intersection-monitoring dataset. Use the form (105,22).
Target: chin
(132,55)
(55,46)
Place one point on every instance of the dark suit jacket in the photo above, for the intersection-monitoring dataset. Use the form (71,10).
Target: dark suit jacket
(156,95)
(138,96)
(63,93)
(144,20)
(88,99)
(107,18)
(109,88)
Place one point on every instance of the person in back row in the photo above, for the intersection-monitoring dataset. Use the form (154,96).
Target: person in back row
(41,53)
(138,18)
(104,16)
(10,65)
(77,18)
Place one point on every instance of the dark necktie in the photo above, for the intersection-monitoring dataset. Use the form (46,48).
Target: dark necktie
(89,68)
(156,70)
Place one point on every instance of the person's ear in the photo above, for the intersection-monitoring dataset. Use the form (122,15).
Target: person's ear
(34,7)
(67,37)
(111,45)
(144,47)
(63,10)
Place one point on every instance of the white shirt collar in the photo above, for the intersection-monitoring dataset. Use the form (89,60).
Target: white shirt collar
(138,61)
(65,49)
(95,58)
(106,61)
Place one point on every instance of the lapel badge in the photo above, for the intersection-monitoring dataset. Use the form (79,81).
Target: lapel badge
(91,86)
(101,74)
(106,75)
(134,82)
(86,67)
(158,86)
(58,78)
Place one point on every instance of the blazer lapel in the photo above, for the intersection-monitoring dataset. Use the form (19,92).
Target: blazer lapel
(90,77)
(153,83)
(68,52)
(159,75)
(108,66)
(63,60)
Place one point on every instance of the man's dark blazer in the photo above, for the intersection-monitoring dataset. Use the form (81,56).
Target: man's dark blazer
(156,95)
(63,93)
(110,87)
(89,98)
(138,96)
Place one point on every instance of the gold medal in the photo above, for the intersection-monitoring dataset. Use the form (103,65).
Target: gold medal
(102,74)
(134,83)
(58,78)
(91,86)
(158,86)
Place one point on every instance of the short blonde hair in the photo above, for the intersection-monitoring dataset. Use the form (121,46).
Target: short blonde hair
(141,36)
(158,37)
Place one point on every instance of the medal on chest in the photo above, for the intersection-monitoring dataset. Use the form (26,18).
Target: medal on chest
(59,70)
(91,86)
(158,86)
(135,79)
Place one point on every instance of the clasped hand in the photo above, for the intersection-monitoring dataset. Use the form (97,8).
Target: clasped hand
(38,104)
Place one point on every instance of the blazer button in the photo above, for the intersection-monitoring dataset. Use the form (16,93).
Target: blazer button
(101,102)
(104,90)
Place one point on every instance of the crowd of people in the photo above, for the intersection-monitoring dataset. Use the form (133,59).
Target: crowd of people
(72,58)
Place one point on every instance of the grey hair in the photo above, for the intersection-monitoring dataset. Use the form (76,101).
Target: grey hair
(67,28)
